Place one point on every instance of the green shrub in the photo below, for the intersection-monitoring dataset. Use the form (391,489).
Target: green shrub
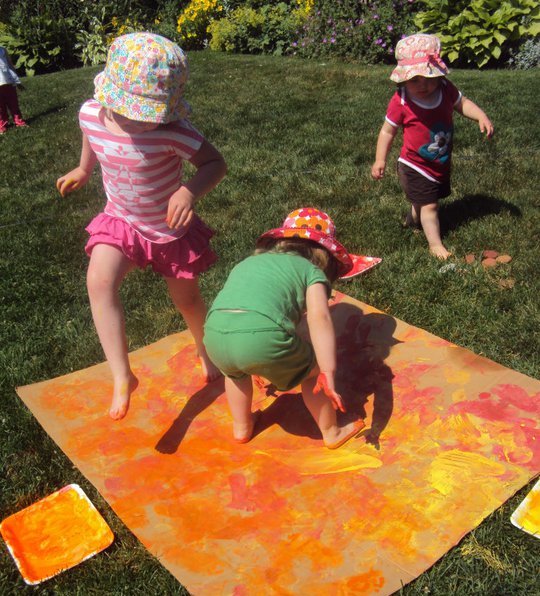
(165,21)
(269,29)
(48,35)
(526,56)
(91,47)
(479,32)
(355,30)
(40,44)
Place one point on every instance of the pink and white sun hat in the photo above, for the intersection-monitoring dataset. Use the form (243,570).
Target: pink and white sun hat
(315,225)
(144,79)
(418,55)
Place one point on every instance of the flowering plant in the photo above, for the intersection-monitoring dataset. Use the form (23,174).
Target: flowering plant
(194,20)
(365,31)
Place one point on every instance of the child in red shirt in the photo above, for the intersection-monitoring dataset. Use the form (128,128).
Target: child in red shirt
(423,106)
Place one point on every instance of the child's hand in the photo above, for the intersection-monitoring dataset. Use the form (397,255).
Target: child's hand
(180,210)
(71,181)
(485,125)
(377,170)
(326,385)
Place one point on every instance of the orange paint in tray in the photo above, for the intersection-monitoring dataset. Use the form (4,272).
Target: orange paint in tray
(55,534)
(527,515)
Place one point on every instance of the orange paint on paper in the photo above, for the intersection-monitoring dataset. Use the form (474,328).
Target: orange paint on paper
(449,437)
(54,534)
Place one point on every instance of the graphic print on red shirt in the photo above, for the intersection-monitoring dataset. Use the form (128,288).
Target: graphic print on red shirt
(427,131)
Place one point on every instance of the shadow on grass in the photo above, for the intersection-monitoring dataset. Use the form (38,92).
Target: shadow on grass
(470,207)
(40,115)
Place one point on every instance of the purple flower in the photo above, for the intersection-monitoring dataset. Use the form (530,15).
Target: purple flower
(389,28)
(375,17)
(324,40)
(332,40)
(294,44)
(378,41)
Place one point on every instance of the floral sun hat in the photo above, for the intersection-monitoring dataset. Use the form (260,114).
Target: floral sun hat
(312,224)
(144,79)
(418,55)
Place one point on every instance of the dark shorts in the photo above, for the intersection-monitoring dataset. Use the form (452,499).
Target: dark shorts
(418,189)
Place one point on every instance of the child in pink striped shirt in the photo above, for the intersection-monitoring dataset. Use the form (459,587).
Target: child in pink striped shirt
(136,127)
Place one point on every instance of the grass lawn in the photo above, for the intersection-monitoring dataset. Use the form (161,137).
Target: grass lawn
(293,133)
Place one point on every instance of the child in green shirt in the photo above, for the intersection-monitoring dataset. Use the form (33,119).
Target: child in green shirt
(250,329)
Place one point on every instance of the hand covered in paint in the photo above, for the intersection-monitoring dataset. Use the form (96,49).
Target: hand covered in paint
(325,384)
(71,181)
(180,210)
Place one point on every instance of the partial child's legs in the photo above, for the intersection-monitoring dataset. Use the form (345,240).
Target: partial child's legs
(12,101)
(107,268)
(322,410)
(239,396)
(429,218)
(3,109)
(188,300)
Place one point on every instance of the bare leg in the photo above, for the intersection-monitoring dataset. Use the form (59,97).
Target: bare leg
(188,300)
(429,217)
(415,214)
(239,396)
(107,268)
(324,414)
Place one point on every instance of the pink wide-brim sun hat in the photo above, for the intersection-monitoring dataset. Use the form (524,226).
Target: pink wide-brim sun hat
(144,79)
(313,224)
(418,55)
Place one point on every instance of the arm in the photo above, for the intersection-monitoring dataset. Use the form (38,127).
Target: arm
(384,143)
(470,110)
(323,338)
(78,177)
(211,169)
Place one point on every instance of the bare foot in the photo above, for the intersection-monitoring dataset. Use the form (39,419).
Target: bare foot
(339,435)
(242,433)
(440,252)
(210,371)
(121,394)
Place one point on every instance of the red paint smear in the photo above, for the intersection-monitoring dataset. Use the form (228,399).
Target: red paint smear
(257,497)
(409,376)
(508,399)
(240,493)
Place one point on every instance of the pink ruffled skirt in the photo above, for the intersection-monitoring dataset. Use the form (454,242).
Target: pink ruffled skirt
(186,257)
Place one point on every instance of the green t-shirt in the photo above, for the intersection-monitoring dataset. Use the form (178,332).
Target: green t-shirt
(271,284)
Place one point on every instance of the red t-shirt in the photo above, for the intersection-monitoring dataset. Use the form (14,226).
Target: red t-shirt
(427,130)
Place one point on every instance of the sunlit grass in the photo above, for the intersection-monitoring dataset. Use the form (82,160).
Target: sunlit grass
(293,133)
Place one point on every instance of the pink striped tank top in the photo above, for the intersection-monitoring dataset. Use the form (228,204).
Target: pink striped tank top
(141,171)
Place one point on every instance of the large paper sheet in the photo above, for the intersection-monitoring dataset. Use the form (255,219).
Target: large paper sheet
(449,437)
